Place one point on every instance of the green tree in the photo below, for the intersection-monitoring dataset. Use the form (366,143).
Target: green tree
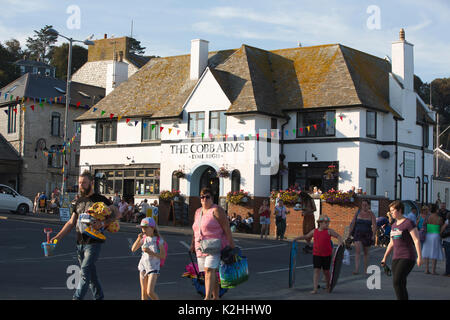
(135,47)
(60,55)
(7,70)
(42,44)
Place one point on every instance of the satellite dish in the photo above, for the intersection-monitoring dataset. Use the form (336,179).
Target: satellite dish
(384,154)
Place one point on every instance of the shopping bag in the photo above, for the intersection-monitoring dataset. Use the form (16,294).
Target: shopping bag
(235,273)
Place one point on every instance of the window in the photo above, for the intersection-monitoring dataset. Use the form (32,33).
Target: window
(22,70)
(426,136)
(418,186)
(12,115)
(150,130)
(316,124)
(55,156)
(142,182)
(398,196)
(106,131)
(371,124)
(175,182)
(273,123)
(425,189)
(371,181)
(196,123)
(56,120)
(235,181)
(217,122)
(35,70)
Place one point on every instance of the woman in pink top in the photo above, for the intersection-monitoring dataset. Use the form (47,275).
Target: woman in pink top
(213,225)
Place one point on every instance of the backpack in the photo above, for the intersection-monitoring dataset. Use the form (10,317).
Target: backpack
(166,247)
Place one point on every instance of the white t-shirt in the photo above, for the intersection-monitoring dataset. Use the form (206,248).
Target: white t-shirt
(144,207)
(147,262)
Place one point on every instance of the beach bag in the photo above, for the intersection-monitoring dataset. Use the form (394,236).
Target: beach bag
(235,273)
(166,247)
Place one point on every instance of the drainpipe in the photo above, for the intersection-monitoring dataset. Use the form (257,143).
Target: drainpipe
(396,159)
(282,156)
(423,161)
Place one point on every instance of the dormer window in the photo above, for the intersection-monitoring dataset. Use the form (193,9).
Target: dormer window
(217,122)
(196,123)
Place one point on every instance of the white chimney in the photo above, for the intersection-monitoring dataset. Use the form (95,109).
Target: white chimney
(199,58)
(116,73)
(403,61)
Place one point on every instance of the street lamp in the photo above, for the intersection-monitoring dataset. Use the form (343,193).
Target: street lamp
(87,42)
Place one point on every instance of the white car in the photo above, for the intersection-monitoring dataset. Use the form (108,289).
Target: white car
(12,201)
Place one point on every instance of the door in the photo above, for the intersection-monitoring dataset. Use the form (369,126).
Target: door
(7,199)
(128,189)
(209,180)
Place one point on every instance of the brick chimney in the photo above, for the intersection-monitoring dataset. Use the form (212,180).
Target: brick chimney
(199,58)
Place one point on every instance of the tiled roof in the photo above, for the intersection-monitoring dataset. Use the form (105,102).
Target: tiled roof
(7,151)
(40,86)
(256,80)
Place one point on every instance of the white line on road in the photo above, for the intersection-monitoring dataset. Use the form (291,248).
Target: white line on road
(185,245)
(54,288)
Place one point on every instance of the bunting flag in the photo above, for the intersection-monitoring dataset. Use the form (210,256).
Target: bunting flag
(78,104)
(161,129)
(145,124)
(342,117)
(170,130)
(128,120)
(135,123)
(315,127)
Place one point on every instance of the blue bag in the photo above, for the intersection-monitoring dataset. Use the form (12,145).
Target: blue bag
(234,273)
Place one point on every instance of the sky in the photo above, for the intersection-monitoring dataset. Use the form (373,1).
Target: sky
(166,27)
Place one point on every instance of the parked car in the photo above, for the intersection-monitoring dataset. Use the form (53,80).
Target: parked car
(12,201)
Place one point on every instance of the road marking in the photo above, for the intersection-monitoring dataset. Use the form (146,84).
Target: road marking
(185,245)
(54,288)
(165,283)
(264,247)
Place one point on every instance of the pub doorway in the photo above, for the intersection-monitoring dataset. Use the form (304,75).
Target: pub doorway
(205,177)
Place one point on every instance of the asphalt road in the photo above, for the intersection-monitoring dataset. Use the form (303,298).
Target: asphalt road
(27,274)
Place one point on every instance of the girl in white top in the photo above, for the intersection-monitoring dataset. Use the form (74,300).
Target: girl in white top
(150,262)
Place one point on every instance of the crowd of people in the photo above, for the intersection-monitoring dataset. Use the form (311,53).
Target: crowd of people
(412,238)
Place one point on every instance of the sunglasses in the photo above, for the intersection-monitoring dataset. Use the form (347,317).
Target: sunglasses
(205,197)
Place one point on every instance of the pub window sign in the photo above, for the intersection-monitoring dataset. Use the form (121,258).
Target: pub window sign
(409,164)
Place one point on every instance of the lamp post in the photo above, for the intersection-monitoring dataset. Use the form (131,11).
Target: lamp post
(87,42)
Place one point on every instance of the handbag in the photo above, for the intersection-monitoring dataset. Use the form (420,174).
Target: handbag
(209,246)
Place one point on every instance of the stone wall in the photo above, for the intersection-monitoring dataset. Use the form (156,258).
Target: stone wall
(94,72)
(31,126)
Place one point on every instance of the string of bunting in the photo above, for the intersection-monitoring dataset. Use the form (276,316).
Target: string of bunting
(58,99)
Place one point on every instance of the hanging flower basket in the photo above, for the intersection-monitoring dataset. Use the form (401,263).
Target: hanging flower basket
(332,172)
(179,174)
(223,173)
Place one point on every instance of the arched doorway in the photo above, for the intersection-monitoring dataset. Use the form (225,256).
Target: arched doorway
(209,179)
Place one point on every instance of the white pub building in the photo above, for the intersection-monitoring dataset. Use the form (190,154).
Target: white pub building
(272,119)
